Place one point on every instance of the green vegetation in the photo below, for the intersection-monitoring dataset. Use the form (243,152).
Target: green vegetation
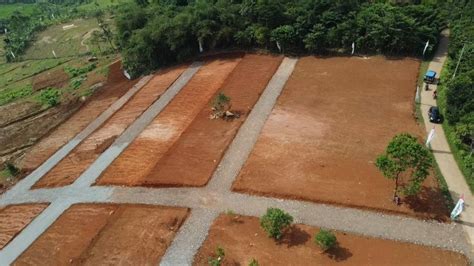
(177,29)
(14,93)
(456,94)
(50,97)
(407,162)
(11,169)
(275,221)
(325,239)
(217,259)
(75,72)
(7,10)
(254,262)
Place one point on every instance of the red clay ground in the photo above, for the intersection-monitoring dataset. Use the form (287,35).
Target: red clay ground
(71,167)
(136,162)
(115,87)
(194,157)
(333,118)
(14,218)
(106,234)
(243,240)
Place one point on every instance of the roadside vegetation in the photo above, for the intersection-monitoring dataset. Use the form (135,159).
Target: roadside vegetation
(456,92)
(179,30)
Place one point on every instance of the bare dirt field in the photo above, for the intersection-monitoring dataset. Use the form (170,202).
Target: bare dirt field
(89,234)
(243,240)
(71,167)
(194,157)
(334,117)
(114,88)
(139,158)
(14,218)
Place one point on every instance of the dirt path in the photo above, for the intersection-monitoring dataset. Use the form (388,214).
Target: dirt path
(441,150)
(86,37)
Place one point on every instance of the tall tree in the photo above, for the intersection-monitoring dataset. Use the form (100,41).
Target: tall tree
(407,162)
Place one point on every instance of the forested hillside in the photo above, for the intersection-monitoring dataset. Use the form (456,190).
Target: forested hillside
(156,33)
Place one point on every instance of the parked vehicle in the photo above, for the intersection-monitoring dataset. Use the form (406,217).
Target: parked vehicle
(434,115)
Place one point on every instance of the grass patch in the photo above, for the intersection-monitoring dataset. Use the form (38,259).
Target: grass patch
(15,93)
(6,10)
(49,97)
(450,134)
(101,4)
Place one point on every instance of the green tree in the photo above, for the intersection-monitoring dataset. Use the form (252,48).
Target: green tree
(275,221)
(325,239)
(405,159)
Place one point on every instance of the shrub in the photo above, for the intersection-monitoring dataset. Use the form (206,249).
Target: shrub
(325,239)
(217,259)
(220,102)
(12,169)
(50,96)
(275,221)
(75,72)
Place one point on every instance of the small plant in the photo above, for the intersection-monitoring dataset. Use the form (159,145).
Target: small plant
(75,72)
(254,262)
(49,96)
(77,82)
(217,259)
(275,221)
(220,105)
(230,212)
(325,239)
(12,170)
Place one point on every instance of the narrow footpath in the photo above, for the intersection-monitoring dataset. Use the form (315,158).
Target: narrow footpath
(442,153)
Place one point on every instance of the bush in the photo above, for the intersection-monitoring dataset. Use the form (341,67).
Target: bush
(50,97)
(325,239)
(217,259)
(254,262)
(275,221)
(75,72)
(12,170)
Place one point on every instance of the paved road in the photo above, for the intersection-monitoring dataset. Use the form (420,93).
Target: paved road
(442,153)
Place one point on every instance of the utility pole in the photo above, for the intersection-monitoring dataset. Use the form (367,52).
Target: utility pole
(459,61)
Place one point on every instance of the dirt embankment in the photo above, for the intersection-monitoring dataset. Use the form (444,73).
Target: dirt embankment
(114,88)
(136,162)
(14,218)
(334,117)
(72,166)
(243,240)
(106,234)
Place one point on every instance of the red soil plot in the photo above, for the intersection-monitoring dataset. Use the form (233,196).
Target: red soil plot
(138,159)
(243,240)
(72,166)
(14,218)
(115,87)
(194,157)
(334,117)
(89,234)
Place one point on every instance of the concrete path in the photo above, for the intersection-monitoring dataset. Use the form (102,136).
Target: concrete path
(216,198)
(441,150)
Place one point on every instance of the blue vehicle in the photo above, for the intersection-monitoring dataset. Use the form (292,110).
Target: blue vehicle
(430,77)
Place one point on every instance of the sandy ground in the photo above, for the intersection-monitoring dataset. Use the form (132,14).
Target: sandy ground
(88,234)
(14,218)
(115,87)
(243,240)
(71,167)
(194,157)
(139,158)
(333,118)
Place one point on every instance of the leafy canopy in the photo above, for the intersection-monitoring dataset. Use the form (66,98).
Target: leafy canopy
(275,221)
(405,158)
(325,239)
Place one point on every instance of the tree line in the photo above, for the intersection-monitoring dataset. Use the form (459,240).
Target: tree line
(153,34)
(459,89)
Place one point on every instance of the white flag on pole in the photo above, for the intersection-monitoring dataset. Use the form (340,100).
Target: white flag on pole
(54,53)
(11,52)
(279,46)
(426,46)
(200,47)
(430,137)
(353,47)
(458,208)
